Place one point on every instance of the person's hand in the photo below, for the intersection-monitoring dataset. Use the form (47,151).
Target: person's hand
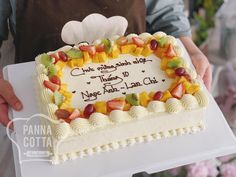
(199,60)
(203,68)
(7,98)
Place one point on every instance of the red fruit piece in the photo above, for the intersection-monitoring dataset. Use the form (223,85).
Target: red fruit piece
(88,48)
(62,114)
(138,41)
(53,87)
(56,57)
(75,114)
(88,110)
(153,44)
(100,48)
(170,51)
(178,91)
(63,56)
(180,71)
(157,96)
(55,80)
(116,104)
(122,40)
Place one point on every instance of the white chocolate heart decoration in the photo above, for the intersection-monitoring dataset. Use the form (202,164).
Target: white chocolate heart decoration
(94,26)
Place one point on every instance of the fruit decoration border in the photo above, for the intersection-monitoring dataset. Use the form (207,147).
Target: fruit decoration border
(105,49)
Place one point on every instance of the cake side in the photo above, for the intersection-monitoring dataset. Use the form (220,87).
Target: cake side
(179,109)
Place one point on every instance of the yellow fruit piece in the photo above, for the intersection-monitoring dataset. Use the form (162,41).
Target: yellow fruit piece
(95,58)
(65,105)
(186,85)
(170,73)
(182,79)
(101,106)
(127,107)
(128,49)
(102,57)
(115,53)
(193,89)
(164,62)
(119,98)
(138,51)
(60,65)
(144,99)
(68,95)
(151,95)
(166,96)
(64,86)
(87,58)
(59,73)
(79,62)
(147,51)
(71,64)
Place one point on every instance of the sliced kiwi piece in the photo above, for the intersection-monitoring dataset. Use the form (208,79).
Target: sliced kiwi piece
(132,99)
(52,70)
(58,98)
(107,43)
(74,53)
(46,60)
(162,41)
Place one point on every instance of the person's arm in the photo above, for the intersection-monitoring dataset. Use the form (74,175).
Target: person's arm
(168,16)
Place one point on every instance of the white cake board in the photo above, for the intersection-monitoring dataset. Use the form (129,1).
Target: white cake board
(216,140)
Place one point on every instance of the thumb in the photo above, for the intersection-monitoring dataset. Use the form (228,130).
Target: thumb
(8,94)
(200,68)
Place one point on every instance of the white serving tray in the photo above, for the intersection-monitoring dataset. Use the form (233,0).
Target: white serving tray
(216,140)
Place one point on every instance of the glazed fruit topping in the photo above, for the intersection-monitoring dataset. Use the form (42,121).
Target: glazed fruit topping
(122,40)
(157,96)
(170,51)
(116,104)
(88,110)
(138,41)
(55,80)
(62,114)
(88,48)
(51,86)
(153,44)
(75,114)
(63,56)
(178,91)
(180,71)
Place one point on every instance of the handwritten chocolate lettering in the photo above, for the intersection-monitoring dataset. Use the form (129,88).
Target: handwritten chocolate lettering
(86,96)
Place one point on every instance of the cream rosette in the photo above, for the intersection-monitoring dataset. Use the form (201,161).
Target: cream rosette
(173,105)
(201,98)
(118,116)
(80,126)
(61,130)
(189,102)
(138,112)
(99,120)
(156,106)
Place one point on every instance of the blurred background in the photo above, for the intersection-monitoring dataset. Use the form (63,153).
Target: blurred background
(213,25)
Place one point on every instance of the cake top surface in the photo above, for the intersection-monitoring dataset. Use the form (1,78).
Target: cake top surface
(116,74)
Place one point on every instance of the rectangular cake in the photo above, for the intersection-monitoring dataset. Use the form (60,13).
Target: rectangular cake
(117,92)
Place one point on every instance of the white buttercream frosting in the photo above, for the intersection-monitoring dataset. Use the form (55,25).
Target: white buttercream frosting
(173,105)
(41,79)
(61,130)
(119,116)
(99,120)
(171,40)
(178,50)
(145,36)
(130,37)
(114,37)
(138,112)
(192,73)
(159,34)
(201,98)
(97,42)
(47,95)
(80,126)
(51,108)
(189,102)
(40,68)
(156,106)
